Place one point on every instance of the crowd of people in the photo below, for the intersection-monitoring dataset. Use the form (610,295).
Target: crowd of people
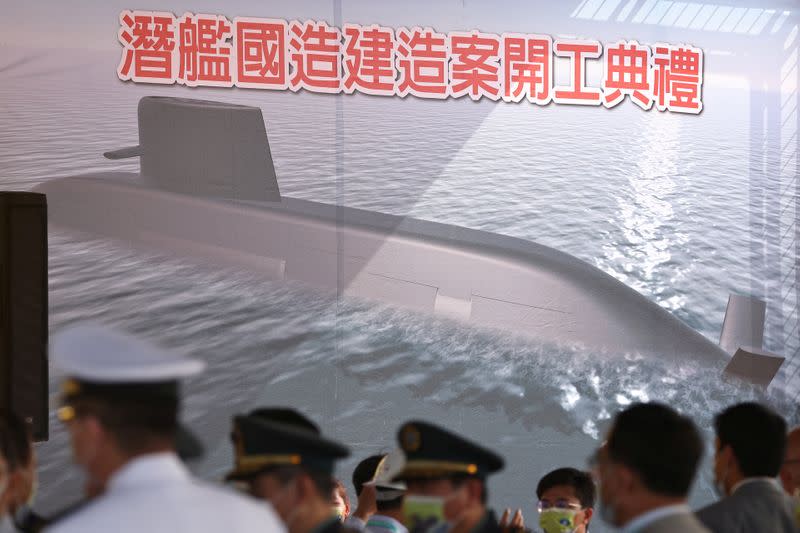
(120,404)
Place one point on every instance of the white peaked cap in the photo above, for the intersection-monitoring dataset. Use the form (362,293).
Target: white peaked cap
(100,354)
(389,467)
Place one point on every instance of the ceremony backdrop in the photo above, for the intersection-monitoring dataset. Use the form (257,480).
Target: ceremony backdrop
(655,140)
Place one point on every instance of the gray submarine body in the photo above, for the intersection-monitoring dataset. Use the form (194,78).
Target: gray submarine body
(207,189)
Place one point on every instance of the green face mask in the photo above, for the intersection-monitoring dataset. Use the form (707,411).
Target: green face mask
(557,520)
(424,513)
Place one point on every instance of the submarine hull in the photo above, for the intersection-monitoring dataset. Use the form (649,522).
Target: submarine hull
(479,277)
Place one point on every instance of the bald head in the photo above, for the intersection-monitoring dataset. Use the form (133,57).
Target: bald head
(790,471)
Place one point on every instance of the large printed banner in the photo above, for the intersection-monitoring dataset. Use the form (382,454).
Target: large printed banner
(257,53)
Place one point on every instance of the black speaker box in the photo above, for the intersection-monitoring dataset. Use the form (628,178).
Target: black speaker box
(23,308)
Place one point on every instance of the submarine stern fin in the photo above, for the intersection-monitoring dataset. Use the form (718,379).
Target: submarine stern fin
(742,337)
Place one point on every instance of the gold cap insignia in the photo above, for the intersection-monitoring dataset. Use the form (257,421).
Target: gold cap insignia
(410,438)
(66,413)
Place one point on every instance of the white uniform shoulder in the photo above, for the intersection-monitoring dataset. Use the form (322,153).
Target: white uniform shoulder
(157,495)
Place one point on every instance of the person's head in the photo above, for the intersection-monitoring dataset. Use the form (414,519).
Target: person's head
(292,490)
(364,472)
(566,493)
(387,499)
(340,501)
(288,466)
(130,424)
(649,460)
(445,466)
(790,471)
(17,463)
(750,442)
(120,398)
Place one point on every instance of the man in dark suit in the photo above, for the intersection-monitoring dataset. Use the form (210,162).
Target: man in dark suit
(645,469)
(750,447)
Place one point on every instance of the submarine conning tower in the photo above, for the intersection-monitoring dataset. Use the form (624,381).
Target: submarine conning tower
(195,153)
(203,148)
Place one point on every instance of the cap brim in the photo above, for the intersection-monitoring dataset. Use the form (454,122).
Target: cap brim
(435,469)
(187,445)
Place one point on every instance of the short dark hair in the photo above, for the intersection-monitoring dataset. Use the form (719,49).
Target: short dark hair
(662,446)
(133,424)
(15,440)
(365,471)
(757,436)
(581,481)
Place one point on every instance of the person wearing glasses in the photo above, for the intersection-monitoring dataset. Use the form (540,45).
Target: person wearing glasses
(750,449)
(645,470)
(566,501)
(120,403)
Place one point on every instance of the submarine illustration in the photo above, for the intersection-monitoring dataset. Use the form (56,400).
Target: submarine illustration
(207,189)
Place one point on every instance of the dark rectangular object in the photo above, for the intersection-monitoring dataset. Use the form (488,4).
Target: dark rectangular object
(23,308)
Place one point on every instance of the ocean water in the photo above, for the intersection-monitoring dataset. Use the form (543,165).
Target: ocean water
(362,369)
(659,201)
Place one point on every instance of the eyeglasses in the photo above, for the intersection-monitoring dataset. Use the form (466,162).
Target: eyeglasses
(544,505)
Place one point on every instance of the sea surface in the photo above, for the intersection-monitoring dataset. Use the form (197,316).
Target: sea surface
(658,200)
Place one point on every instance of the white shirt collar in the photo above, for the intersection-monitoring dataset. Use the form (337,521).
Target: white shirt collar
(746,481)
(649,517)
(148,469)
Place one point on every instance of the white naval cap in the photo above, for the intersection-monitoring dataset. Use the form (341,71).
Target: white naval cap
(100,354)
(103,362)
(390,466)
